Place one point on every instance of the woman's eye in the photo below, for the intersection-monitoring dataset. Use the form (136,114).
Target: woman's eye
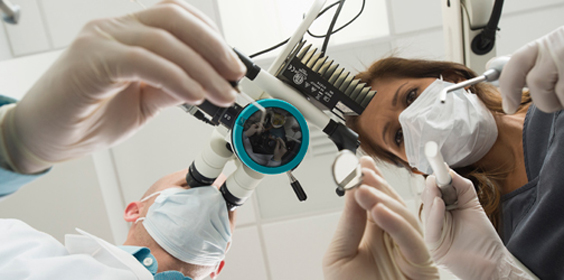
(410,97)
(399,137)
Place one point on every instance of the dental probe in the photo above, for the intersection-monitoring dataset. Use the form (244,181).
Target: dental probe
(443,178)
(492,74)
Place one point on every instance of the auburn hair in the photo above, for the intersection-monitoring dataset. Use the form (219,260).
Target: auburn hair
(486,182)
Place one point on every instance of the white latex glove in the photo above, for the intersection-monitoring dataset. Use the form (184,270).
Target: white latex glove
(540,66)
(117,74)
(377,237)
(463,240)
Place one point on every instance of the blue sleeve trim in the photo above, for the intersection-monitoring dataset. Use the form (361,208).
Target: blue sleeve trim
(5,100)
(11,181)
(142,253)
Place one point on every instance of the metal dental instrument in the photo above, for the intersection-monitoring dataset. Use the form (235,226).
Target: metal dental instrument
(490,75)
(347,172)
(443,178)
(11,12)
(256,104)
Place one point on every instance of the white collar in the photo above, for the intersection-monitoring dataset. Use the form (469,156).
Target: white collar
(105,253)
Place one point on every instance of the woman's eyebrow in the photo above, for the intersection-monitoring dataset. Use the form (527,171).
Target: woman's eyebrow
(395,100)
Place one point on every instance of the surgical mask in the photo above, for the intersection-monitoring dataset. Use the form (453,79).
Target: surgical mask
(190,224)
(463,127)
(171,275)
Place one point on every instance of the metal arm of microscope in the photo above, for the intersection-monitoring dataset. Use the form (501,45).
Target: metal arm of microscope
(203,171)
(463,21)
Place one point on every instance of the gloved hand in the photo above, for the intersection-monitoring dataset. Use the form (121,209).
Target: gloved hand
(539,65)
(117,74)
(463,240)
(377,237)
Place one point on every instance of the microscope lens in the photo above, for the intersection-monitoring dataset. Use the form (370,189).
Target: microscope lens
(274,141)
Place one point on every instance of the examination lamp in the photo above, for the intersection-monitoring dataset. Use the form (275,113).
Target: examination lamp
(10,12)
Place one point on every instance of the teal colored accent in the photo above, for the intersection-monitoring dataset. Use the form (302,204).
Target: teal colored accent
(237,137)
(11,181)
(4,100)
(171,275)
(141,253)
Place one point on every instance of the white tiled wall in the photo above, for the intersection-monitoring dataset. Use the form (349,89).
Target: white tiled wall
(29,35)
(411,16)
(521,27)
(277,237)
(5,50)
(295,247)
(67,198)
(245,259)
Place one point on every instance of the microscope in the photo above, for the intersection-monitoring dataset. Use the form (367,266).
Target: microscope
(270,136)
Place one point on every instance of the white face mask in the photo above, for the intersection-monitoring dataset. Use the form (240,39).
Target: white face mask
(463,127)
(190,224)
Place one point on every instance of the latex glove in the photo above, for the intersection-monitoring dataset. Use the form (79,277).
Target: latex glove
(117,74)
(540,66)
(377,236)
(463,240)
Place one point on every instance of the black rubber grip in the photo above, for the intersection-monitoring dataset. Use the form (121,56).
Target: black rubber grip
(195,179)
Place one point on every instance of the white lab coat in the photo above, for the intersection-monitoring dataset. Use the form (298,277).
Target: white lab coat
(26,253)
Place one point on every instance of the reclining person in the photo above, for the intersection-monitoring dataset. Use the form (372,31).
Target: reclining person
(177,232)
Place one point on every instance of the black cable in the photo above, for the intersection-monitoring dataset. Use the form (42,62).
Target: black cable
(327,9)
(315,35)
(288,39)
(485,41)
(342,27)
(331,26)
(270,49)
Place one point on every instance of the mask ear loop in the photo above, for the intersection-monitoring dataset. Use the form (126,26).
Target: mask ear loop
(151,195)
(140,219)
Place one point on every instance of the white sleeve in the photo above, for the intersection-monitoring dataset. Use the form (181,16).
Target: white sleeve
(29,254)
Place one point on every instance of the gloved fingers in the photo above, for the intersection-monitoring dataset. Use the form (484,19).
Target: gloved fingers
(429,194)
(139,102)
(434,221)
(192,31)
(369,198)
(167,46)
(349,232)
(514,74)
(373,177)
(465,191)
(541,81)
(409,239)
(135,63)
(192,10)
(153,100)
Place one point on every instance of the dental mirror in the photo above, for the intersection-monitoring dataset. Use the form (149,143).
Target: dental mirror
(347,171)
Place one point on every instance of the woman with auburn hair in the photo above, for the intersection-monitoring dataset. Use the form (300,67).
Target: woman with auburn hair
(507,222)
(513,161)
(381,135)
